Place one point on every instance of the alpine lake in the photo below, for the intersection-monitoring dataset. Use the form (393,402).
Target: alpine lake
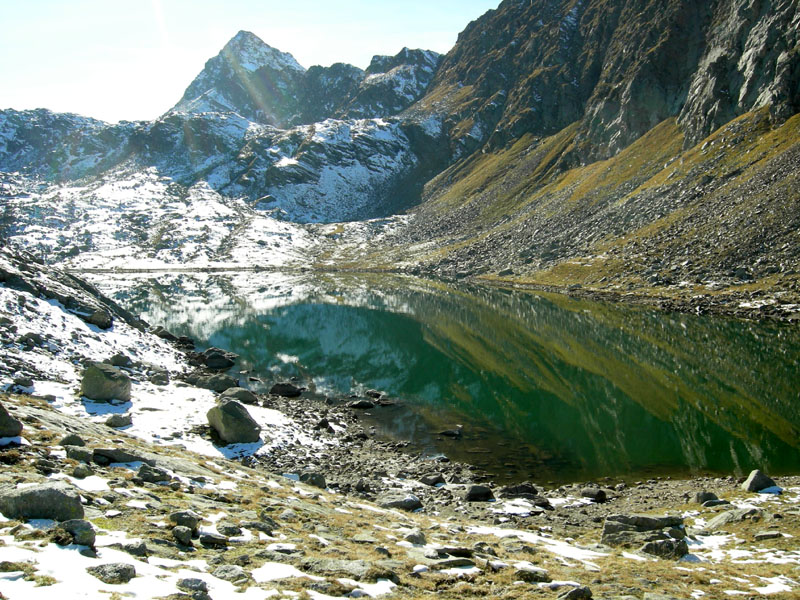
(546,388)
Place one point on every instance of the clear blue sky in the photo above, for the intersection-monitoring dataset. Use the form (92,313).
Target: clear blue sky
(132,59)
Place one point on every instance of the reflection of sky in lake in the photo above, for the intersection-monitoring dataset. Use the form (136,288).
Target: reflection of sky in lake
(556,387)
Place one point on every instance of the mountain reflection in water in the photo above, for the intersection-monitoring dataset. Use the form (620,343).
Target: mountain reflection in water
(546,387)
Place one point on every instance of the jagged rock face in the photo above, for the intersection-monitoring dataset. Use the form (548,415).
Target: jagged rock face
(60,147)
(247,77)
(752,59)
(619,68)
(393,83)
(267,86)
(325,90)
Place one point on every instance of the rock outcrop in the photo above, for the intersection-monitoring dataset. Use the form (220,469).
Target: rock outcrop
(102,383)
(233,424)
(58,501)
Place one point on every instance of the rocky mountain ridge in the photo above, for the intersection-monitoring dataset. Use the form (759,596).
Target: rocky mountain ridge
(535,97)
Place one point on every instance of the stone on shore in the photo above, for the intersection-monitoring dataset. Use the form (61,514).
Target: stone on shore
(233,424)
(9,426)
(102,382)
(58,501)
(757,481)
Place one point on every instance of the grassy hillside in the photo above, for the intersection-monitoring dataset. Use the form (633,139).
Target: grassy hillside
(719,217)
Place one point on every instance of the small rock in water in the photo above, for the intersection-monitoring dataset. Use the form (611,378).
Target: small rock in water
(374,394)
(287,390)
(454,433)
(361,405)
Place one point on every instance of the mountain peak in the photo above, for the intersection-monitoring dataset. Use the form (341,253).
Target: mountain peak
(251,53)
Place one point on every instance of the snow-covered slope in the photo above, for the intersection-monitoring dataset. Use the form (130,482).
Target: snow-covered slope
(256,142)
(393,83)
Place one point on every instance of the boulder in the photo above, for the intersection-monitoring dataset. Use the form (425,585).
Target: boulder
(576,593)
(532,574)
(361,404)
(757,481)
(150,474)
(54,500)
(159,331)
(186,518)
(101,318)
(72,439)
(416,537)
(239,394)
(107,456)
(230,573)
(9,426)
(703,497)
(218,359)
(114,573)
(403,501)
(121,360)
(217,383)
(82,531)
(233,424)
(478,493)
(594,494)
(213,540)
(192,584)
(352,569)
(315,479)
(631,530)
(733,516)
(117,421)
(433,480)
(287,390)
(669,548)
(102,382)
(79,453)
(521,490)
(182,535)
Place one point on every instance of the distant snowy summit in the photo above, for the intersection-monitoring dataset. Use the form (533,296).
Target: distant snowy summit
(264,85)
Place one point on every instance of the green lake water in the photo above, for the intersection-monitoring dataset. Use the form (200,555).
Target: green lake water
(546,387)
